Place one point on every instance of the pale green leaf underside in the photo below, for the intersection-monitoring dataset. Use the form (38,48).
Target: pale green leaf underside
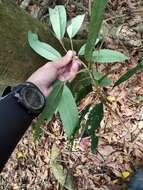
(75,25)
(68,112)
(58,20)
(108,56)
(43,49)
(82,49)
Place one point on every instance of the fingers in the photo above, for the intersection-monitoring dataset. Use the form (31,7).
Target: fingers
(65,60)
(74,69)
(69,73)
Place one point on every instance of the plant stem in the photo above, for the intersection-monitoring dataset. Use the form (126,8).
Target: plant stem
(86,67)
(89,7)
(81,71)
(90,73)
(60,41)
(63,45)
(71,44)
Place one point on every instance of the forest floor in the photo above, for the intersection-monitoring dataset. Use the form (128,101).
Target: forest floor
(120,149)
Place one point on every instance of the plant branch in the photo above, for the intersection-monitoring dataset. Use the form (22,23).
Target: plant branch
(89,72)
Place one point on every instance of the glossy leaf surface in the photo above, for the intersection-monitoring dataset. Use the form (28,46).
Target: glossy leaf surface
(94,119)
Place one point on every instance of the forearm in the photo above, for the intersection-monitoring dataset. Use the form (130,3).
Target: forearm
(14,121)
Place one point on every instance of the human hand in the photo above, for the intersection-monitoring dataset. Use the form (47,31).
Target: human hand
(64,69)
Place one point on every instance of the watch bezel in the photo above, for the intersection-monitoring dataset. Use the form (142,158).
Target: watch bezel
(19,93)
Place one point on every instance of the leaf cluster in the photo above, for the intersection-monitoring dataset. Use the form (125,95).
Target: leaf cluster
(61,100)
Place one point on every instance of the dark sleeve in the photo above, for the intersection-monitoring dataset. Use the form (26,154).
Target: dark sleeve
(14,121)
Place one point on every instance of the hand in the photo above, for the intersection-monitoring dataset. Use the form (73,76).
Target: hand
(64,69)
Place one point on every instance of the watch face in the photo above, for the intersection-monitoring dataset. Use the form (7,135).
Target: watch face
(32,98)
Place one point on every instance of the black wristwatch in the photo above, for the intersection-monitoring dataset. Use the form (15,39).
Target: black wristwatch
(30,97)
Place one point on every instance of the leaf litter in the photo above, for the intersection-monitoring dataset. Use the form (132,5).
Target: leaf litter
(120,148)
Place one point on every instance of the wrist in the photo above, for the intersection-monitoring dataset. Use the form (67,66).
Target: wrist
(30,97)
(40,87)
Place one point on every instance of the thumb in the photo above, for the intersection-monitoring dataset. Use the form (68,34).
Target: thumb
(65,60)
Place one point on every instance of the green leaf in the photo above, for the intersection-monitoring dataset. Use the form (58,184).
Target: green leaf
(62,174)
(94,26)
(94,119)
(129,74)
(94,143)
(140,98)
(58,20)
(43,49)
(50,107)
(75,25)
(83,117)
(68,112)
(95,116)
(81,85)
(102,80)
(108,56)
(82,49)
